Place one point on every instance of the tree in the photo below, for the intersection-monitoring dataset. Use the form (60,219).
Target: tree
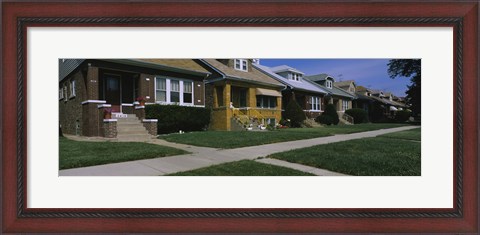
(294,112)
(410,68)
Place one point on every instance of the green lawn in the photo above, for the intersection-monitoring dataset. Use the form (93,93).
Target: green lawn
(243,168)
(376,156)
(75,154)
(414,134)
(236,139)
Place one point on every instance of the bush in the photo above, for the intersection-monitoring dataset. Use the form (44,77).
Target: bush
(295,113)
(359,115)
(376,113)
(324,119)
(328,117)
(173,118)
(402,116)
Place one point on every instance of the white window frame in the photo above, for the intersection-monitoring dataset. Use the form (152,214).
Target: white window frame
(314,102)
(168,91)
(241,62)
(166,88)
(329,84)
(65,92)
(344,105)
(60,93)
(72,89)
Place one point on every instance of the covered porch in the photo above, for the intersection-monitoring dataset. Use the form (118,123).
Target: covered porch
(244,104)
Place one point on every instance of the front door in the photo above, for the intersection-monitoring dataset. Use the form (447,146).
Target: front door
(112,91)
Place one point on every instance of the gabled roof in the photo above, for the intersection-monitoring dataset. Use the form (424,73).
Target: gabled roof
(334,90)
(319,77)
(303,84)
(187,66)
(253,75)
(284,68)
(344,83)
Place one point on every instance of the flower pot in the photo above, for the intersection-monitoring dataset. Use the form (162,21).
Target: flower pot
(141,102)
(107,115)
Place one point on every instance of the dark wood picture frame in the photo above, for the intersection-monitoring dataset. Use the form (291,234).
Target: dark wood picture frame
(18,16)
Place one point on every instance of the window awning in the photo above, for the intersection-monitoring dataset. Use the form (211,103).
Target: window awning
(392,108)
(267,92)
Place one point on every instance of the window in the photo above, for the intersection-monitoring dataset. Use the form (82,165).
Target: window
(294,77)
(315,103)
(329,84)
(175,91)
(187,92)
(65,96)
(161,90)
(344,105)
(72,88)
(266,101)
(241,64)
(60,93)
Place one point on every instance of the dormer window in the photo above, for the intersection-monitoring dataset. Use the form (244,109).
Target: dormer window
(296,77)
(241,64)
(329,84)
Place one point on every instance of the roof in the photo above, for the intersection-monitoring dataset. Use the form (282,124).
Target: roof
(304,84)
(253,75)
(283,68)
(344,83)
(334,90)
(175,65)
(319,77)
(187,64)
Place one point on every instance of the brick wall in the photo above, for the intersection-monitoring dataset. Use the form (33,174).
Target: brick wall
(109,129)
(139,111)
(147,87)
(70,108)
(151,126)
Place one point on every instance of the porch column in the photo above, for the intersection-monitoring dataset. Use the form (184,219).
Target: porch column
(215,96)
(278,114)
(251,98)
(226,100)
(147,87)
(92,83)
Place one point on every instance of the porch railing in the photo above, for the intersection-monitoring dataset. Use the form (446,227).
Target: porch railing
(347,118)
(245,114)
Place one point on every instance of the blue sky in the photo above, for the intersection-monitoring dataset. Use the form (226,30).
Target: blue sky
(370,73)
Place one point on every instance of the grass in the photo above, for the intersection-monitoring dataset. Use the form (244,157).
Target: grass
(75,154)
(237,139)
(243,168)
(413,134)
(376,156)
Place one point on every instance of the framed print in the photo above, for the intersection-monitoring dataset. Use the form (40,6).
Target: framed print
(115,59)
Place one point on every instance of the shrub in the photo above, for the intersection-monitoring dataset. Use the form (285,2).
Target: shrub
(359,115)
(402,116)
(295,113)
(173,118)
(324,119)
(376,113)
(328,117)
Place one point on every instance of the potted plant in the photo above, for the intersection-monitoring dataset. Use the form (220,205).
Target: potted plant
(107,113)
(141,100)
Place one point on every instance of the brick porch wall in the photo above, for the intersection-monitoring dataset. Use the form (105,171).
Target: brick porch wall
(151,126)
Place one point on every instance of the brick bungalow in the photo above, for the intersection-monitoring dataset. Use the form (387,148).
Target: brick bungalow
(88,87)
(308,95)
(342,100)
(240,95)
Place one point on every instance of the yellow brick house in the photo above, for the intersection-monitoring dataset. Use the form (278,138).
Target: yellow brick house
(241,97)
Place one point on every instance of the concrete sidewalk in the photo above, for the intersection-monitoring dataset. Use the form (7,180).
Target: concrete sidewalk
(204,157)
